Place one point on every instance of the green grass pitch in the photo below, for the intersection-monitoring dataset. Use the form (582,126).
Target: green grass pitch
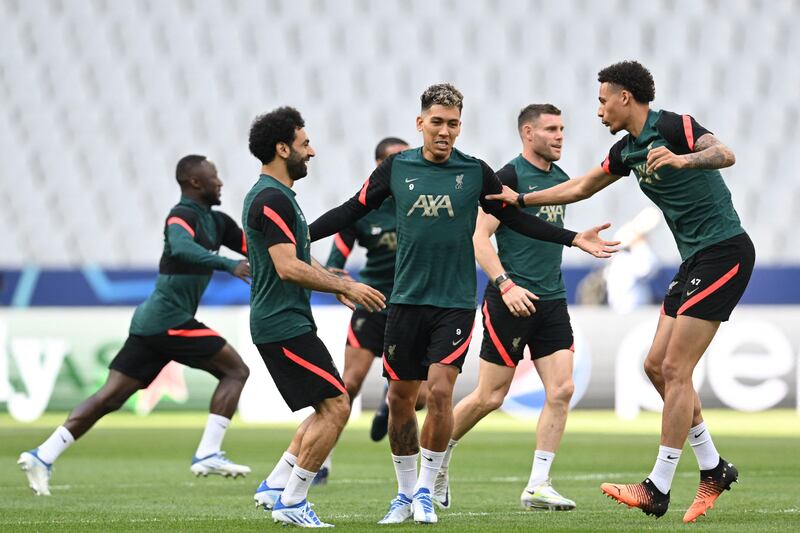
(132,474)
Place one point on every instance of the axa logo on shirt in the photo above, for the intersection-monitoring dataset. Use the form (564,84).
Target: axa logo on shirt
(552,213)
(430,205)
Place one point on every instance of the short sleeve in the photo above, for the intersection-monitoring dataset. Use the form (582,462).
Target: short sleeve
(680,131)
(613,164)
(272,214)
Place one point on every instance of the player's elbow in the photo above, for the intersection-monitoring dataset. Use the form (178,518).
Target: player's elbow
(285,271)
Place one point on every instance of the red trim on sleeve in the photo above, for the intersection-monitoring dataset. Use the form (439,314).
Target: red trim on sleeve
(389,370)
(687,130)
(495,339)
(276,218)
(460,350)
(327,376)
(182,223)
(606,165)
(192,333)
(708,290)
(244,243)
(351,337)
(362,196)
(340,244)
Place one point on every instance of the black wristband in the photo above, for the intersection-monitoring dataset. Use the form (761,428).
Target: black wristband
(500,279)
(521,199)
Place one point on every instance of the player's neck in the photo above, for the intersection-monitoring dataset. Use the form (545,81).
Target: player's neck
(535,159)
(637,121)
(196,198)
(279,173)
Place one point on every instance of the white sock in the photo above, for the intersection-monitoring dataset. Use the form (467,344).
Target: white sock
(703,447)
(540,470)
(429,466)
(405,467)
(60,440)
(664,469)
(279,476)
(211,441)
(297,487)
(448,453)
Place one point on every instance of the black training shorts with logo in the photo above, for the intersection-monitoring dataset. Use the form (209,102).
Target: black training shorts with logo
(711,282)
(143,356)
(505,336)
(366,330)
(418,336)
(303,370)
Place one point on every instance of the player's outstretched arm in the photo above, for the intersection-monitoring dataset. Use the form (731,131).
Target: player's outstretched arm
(708,153)
(518,299)
(183,246)
(290,268)
(371,195)
(569,192)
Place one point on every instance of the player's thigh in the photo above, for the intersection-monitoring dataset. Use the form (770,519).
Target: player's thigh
(357,362)
(688,342)
(494,379)
(366,330)
(224,363)
(138,360)
(303,370)
(555,370)
(658,348)
(717,278)
(405,342)
(504,335)
(450,336)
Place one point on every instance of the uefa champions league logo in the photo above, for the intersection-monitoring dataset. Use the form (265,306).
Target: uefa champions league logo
(526,397)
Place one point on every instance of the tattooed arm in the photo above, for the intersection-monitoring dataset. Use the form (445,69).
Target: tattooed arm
(708,153)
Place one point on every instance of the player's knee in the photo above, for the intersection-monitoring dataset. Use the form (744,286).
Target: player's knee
(240,373)
(338,409)
(561,393)
(672,369)
(653,370)
(491,401)
(112,401)
(439,398)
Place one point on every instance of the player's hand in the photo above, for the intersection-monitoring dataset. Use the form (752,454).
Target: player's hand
(340,272)
(663,157)
(364,295)
(344,301)
(508,195)
(242,271)
(590,242)
(519,300)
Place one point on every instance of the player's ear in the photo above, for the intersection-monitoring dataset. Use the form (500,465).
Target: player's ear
(419,123)
(283,150)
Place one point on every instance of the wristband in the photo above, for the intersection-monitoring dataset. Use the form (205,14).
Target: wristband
(510,286)
(521,199)
(500,279)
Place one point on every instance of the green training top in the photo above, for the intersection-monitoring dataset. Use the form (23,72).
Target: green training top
(696,203)
(193,233)
(535,265)
(436,205)
(279,310)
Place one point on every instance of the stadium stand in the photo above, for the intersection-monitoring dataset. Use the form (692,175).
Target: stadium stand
(101,97)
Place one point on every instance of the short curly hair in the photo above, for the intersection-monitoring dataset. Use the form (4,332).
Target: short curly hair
(269,129)
(442,94)
(632,76)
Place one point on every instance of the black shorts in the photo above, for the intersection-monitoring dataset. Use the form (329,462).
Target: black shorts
(505,336)
(418,336)
(710,283)
(366,331)
(143,356)
(303,370)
